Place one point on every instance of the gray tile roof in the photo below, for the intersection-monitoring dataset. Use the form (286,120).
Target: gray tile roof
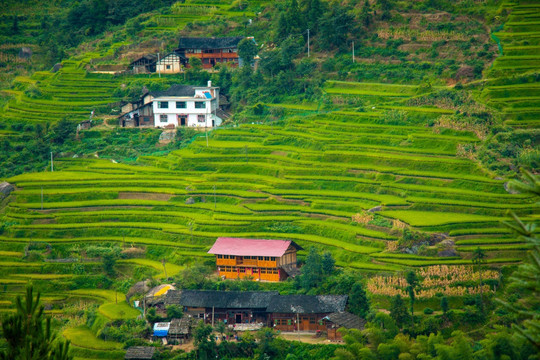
(208,43)
(346,320)
(221,299)
(140,353)
(175,90)
(307,304)
(181,326)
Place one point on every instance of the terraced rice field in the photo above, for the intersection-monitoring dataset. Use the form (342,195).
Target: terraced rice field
(305,181)
(513,86)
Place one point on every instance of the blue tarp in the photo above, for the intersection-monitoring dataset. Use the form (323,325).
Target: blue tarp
(161,329)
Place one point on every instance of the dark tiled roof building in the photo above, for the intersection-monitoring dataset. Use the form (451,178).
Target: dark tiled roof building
(140,353)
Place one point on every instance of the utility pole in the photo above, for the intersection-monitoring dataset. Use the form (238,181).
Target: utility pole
(52,165)
(307,42)
(353,51)
(158,65)
(42,198)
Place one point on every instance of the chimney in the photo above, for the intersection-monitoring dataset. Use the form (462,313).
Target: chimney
(209,83)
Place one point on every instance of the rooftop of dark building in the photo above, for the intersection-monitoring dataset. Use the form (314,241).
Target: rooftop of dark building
(140,353)
(307,304)
(205,43)
(221,299)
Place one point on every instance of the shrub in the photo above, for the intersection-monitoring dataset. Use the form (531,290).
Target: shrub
(428,311)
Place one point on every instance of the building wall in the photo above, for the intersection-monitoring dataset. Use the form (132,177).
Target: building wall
(262,274)
(217,56)
(170,64)
(194,117)
(289,322)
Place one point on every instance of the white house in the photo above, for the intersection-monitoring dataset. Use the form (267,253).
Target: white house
(184,105)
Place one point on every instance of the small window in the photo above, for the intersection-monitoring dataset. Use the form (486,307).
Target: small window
(220,256)
(200,118)
(263,271)
(168,67)
(272,258)
(146,119)
(163,118)
(289,322)
(180,104)
(242,270)
(200,104)
(163,104)
(267,258)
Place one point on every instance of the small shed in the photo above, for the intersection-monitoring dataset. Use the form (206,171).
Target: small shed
(343,319)
(140,353)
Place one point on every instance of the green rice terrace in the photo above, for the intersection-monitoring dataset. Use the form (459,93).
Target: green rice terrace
(387,175)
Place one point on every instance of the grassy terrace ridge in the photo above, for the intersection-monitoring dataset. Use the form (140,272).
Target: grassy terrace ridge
(284,181)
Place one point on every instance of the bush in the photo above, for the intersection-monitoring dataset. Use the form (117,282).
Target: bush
(428,311)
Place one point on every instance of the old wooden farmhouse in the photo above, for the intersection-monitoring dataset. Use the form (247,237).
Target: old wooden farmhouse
(254,309)
(180,105)
(259,260)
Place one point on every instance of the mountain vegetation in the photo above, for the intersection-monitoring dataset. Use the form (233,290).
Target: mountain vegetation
(395,141)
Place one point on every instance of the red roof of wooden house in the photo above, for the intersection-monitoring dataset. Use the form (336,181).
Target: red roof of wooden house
(251,247)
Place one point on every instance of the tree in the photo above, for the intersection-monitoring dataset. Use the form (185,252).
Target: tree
(444,305)
(204,341)
(195,63)
(328,263)
(525,279)
(63,130)
(478,258)
(398,311)
(358,300)
(335,25)
(311,272)
(247,50)
(174,312)
(28,334)
(412,280)
(109,261)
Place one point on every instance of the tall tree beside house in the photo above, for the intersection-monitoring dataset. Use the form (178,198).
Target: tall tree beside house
(311,271)
(28,333)
(247,50)
(358,303)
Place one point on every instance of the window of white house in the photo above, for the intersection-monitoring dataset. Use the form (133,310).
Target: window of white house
(200,104)
(180,104)
(163,104)
(163,118)
(200,118)
(168,67)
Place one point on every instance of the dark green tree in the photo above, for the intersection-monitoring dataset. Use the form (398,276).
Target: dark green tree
(174,312)
(398,311)
(28,333)
(445,306)
(109,261)
(63,130)
(247,50)
(328,263)
(335,26)
(358,301)
(204,341)
(311,272)
(412,280)
(365,15)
